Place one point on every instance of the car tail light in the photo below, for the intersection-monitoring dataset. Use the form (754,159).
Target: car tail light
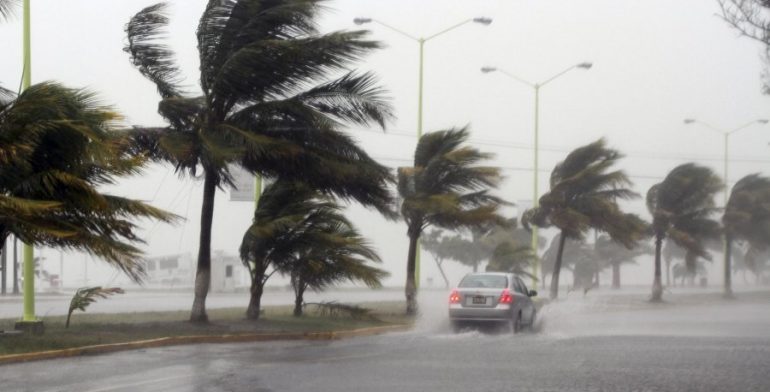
(454,298)
(506,297)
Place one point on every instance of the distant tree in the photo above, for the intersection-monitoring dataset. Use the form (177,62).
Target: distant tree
(746,218)
(751,18)
(584,195)
(511,257)
(682,207)
(445,188)
(438,246)
(757,261)
(266,103)
(614,255)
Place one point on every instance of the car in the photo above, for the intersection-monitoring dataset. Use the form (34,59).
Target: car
(492,298)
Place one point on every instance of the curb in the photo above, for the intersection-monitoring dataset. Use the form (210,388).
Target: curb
(200,339)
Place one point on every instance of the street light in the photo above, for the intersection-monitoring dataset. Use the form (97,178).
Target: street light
(484,21)
(726,133)
(536,86)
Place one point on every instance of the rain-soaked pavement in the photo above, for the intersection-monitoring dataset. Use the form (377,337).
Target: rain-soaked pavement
(590,344)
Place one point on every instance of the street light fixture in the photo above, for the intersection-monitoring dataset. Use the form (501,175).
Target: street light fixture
(484,21)
(726,133)
(536,86)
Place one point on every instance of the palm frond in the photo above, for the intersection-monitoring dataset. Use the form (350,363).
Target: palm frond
(153,59)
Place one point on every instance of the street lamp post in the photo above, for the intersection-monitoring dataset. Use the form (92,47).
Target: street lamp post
(726,133)
(536,87)
(421,42)
(29,321)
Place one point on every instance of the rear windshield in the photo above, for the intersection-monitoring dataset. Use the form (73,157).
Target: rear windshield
(485,281)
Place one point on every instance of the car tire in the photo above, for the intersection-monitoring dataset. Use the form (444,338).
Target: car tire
(532,319)
(514,324)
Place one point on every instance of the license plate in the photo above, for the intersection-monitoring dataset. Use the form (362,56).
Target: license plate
(479,300)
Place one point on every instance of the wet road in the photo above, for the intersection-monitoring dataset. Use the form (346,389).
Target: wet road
(579,347)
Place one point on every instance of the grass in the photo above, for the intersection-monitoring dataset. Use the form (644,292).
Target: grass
(91,329)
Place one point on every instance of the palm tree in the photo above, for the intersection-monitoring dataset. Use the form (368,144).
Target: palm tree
(286,210)
(746,218)
(57,147)
(445,188)
(681,207)
(584,195)
(334,252)
(255,109)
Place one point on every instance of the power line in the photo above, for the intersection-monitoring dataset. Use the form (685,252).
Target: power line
(556,149)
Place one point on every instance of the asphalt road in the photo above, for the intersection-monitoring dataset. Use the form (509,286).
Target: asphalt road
(579,346)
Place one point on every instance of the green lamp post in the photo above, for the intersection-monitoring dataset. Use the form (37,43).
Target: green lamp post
(536,87)
(728,290)
(421,42)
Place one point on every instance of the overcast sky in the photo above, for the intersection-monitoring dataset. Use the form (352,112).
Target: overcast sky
(656,62)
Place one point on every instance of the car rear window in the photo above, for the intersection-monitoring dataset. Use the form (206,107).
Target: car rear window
(484,281)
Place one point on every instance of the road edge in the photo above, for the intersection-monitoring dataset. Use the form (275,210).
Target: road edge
(198,339)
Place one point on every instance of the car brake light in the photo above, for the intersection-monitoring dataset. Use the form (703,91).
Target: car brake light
(506,297)
(454,298)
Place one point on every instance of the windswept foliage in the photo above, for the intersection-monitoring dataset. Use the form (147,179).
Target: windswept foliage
(584,195)
(267,102)
(682,209)
(299,232)
(85,296)
(6,8)
(57,148)
(447,189)
(746,218)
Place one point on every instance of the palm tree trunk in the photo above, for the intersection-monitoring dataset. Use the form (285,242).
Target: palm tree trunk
(411,287)
(255,302)
(557,267)
(299,292)
(657,285)
(690,261)
(616,276)
(203,274)
(668,273)
(728,267)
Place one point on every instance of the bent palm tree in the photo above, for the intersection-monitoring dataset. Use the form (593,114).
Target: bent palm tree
(299,232)
(446,189)
(746,218)
(57,147)
(334,252)
(584,195)
(681,207)
(255,109)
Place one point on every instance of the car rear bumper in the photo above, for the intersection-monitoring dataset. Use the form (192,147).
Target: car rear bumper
(498,313)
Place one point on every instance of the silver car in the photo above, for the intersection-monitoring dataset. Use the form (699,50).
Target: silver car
(492,297)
